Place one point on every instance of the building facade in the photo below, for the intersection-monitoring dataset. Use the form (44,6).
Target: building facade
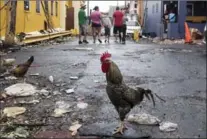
(36,15)
(192,12)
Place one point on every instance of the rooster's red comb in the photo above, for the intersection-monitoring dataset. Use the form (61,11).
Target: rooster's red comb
(104,56)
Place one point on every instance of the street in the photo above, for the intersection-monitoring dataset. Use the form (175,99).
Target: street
(177,73)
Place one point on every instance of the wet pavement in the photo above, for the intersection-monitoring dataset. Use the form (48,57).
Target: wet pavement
(177,73)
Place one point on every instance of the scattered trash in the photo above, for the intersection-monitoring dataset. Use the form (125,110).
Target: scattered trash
(74,78)
(87,49)
(35,74)
(2,96)
(8,62)
(96,81)
(56,93)
(20,89)
(13,111)
(61,108)
(29,102)
(51,79)
(195,34)
(143,118)
(20,132)
(168,126)
(69,91)
(82,105)
(44,92)
(74,128)
(11,78)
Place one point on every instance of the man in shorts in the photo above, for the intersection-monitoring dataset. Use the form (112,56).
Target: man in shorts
(118,21)
(82,23)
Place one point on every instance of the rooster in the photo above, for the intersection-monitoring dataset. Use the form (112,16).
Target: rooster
(122,97)
(21,69)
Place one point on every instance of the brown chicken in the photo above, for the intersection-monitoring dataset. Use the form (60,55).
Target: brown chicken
(21,69)
(122,97)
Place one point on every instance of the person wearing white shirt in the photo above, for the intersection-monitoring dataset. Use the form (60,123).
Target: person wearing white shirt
(106,21)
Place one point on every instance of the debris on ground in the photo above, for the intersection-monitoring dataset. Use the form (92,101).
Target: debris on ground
(82,105)
(96,81)
(29,102)
(51,79)
(143,118)
(20,89)
(61,108)
(74,128)
(56,93)
(35,74)
(69,91)
(11,78)
(168,126)
(81,48)
(74,78)
(8,62)
(44,92)
(20,132)
(13,111)
(195,34)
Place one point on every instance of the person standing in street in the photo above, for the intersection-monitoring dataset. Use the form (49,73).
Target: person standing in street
(118,21)
(107,26)
(124,26)
(96,24)
(82,24)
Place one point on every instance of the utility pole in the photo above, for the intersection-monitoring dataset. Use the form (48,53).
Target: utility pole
(11,21)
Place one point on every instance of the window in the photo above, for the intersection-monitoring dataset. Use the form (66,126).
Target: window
(26,5)
(135,5)
(157,7)
(52,3)
(38,6)
(56,8)
(190,9)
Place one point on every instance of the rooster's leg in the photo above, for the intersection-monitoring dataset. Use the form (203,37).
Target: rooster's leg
(120,129)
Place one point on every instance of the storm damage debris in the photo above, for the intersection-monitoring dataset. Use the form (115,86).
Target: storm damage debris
(69,91)
(82,105)
(8,62)
(62,107)
(51,79)
(13,111)
(143,118)
(74,78)
(74,128)
(19,132)
(168,126)
(20,89)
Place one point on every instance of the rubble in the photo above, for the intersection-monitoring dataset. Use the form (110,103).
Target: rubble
(20,89)
(82,105)
(168,126)
(51,79)
(29,102)
(44,92)
(8,62)
(20,132)
(13,111)
(143,118)
(74,78)
(11,78)
(56,93)
(61,108)
(74,128)
(196,34)
(69,91)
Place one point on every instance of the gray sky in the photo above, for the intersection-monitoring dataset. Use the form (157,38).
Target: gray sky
(104,5)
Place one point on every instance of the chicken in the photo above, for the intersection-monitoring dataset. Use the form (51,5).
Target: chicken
(122,97)
(21,69)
